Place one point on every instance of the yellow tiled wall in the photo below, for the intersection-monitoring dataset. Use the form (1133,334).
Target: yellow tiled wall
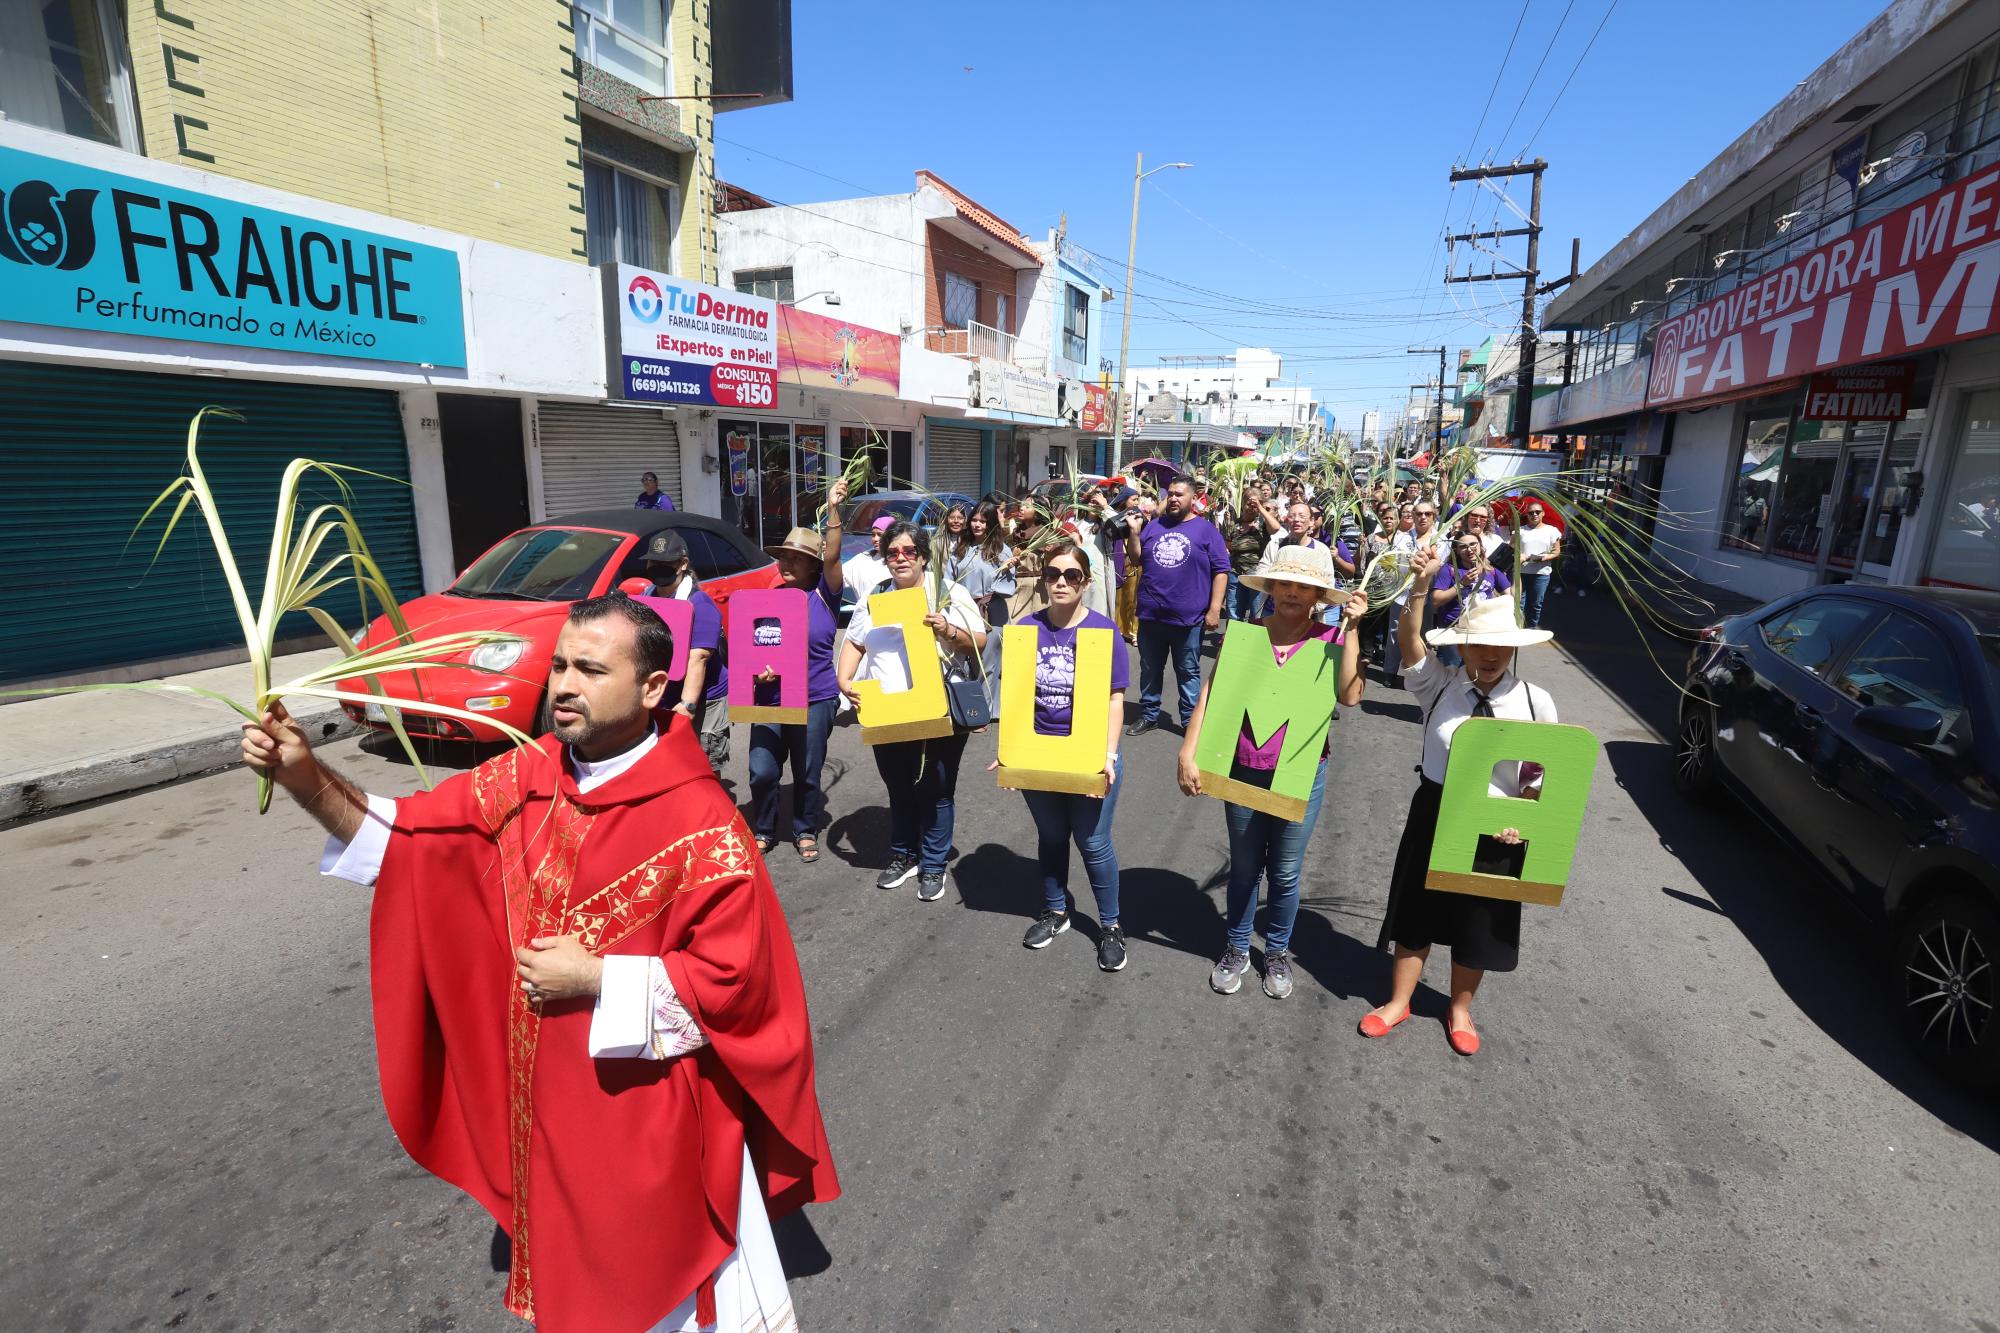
(456,115)
(693,65)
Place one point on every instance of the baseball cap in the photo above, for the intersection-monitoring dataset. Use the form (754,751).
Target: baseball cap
(883,524)
(665,548)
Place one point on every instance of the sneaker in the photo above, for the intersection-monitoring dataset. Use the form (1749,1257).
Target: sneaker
(930,886)
(897,873)
(1045,928)
(1228,975)
(1111,949)
(1277,974)
(1142,726)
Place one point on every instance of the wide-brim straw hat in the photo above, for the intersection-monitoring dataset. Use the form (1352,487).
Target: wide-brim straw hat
(1310,565)
(803,540)
(1490,621)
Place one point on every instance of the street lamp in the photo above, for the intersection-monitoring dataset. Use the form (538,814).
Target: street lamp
(1139,173)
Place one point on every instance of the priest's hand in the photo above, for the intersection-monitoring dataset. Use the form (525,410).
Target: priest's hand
(276,746)
(558,967)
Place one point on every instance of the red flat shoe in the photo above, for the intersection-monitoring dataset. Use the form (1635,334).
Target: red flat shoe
(1373,1026)
(1463,1040)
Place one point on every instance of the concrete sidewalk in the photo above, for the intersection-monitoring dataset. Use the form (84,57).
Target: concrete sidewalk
(64,749)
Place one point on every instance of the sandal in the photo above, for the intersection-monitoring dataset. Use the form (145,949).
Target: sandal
(808,849)
(764,846)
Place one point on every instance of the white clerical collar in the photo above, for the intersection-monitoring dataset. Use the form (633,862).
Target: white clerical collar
(595,774)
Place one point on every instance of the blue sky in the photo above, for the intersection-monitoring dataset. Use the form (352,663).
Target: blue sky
(1321,135)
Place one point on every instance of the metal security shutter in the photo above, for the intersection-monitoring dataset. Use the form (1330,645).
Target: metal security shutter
(951,459)
(593,456)
(83,451)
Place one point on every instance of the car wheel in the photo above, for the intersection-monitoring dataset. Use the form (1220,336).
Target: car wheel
(1694,751)
(1947,983)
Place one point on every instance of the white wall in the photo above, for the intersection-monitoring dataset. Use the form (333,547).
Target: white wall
(870,251)
(532,324)
(425,438)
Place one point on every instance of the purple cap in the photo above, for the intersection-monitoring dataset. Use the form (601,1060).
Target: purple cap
(884,523)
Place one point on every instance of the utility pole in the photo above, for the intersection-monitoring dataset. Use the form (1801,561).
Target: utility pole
(1569,335)
(1524,393)
(1139,173)
(1437,444)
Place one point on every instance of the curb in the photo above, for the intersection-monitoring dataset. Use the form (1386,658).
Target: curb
(146,766)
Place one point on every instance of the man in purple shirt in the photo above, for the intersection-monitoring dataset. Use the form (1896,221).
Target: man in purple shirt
(1184,570)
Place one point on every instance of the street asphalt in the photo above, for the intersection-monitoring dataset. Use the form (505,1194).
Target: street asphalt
(1691,1111)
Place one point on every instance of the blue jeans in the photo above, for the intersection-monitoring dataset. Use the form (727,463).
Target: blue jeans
(922,779)
(1534,591)
(1157,641)
(1264,846)
(805,745)
(1241,601)
(1060,816)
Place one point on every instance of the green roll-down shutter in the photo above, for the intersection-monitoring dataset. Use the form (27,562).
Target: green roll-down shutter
(83,451)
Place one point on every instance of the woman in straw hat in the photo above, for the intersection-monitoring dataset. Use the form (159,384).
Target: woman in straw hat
(1483,934)
(802,564)
(1263,846)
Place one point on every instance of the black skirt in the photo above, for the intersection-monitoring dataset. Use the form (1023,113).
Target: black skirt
(1480,932)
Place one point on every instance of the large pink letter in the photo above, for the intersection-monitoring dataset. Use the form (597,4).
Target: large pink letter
(679,616)
(787,656)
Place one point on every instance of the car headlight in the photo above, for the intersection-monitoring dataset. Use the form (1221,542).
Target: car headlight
(499,655)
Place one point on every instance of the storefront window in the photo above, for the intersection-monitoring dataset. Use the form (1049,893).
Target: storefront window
(1746,518)
(1966,550)
(889,448)
(1812,464)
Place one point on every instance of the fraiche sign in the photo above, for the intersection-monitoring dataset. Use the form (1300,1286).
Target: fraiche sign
(1862,393)
(685,342)
(1922,277)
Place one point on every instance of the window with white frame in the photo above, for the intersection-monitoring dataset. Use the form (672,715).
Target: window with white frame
(627,38)
(628,219)
(1000,313)
(961,301)
(773,283)
(1076,324)
(63,68)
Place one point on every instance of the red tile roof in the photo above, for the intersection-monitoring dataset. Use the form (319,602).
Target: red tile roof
(979,216)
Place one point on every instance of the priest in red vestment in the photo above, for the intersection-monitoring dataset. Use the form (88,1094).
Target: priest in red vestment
(588,1010)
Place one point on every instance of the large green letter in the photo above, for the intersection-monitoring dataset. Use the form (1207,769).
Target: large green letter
(1249,683)
(1548,827)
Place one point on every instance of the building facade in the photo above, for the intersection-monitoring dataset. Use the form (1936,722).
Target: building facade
(1800,349)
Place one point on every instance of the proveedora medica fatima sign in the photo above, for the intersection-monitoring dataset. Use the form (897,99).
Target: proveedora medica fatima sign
(1920,277)
(82,248)
(686,342)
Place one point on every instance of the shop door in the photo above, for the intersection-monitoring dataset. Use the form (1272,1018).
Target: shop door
(1852,502)
(485,472)
(774,482)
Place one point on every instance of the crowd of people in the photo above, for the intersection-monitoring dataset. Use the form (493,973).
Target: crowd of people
(1162,571)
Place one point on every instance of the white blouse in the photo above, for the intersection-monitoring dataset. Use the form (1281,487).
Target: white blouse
(1448,698)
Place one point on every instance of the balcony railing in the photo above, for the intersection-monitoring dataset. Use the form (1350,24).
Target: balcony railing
(622,52)
(976,340)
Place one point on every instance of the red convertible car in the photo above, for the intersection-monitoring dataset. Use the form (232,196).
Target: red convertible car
(524,586)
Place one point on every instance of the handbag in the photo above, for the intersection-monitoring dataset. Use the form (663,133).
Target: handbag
(967,701)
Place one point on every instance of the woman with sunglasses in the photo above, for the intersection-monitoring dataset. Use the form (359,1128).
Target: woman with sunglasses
(1062,816)
(1459,585)
(921,776)
(1263,846)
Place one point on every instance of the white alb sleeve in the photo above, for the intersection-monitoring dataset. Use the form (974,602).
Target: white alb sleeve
(639,1016)
(359,861)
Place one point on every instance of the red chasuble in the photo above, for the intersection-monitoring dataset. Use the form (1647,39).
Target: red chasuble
(617,1179)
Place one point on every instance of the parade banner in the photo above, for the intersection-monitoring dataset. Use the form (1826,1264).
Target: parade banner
(1923,276)
(679,616)
(1250,685)
(921,711)
(1467,855)
(779,642)
(1030,761)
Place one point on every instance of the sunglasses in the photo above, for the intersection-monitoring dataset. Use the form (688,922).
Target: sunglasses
(900,553)
(1073,577)
(1427,513)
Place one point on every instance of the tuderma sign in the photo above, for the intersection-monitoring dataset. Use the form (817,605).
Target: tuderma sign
(1920,277)
(82,248)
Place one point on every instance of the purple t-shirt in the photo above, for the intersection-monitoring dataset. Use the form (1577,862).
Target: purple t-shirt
(821,626)
(1182,560)
(1264,758)
(1055,668)
(1490,583)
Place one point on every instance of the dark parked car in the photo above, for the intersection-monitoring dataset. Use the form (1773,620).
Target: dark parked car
(1863,725)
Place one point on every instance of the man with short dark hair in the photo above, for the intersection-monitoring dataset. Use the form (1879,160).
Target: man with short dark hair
(588,1012)
(1184,571)
(651,496)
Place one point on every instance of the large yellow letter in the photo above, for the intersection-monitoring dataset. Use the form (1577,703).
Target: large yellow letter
(1030,760)
(919,712)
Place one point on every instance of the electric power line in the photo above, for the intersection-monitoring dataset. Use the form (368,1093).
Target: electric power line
(1572,74)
